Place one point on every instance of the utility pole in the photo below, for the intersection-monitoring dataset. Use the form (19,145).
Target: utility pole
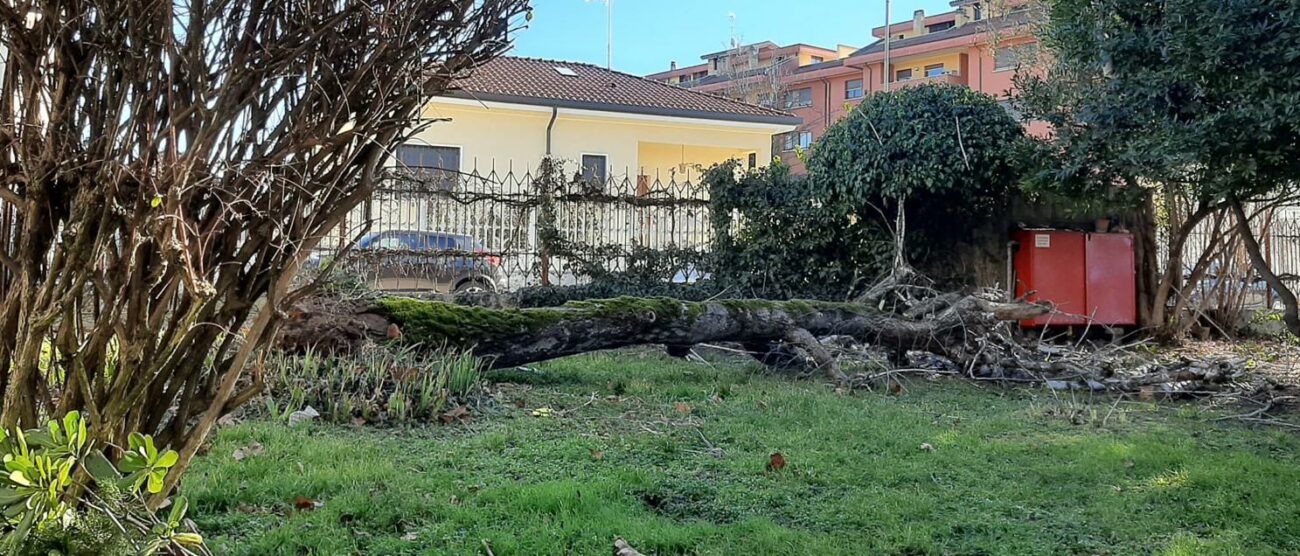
(885,70)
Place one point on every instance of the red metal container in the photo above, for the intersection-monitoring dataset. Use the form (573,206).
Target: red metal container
(1088,277)
(1112,279)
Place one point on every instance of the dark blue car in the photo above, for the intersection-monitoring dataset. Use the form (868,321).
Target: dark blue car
(410,260)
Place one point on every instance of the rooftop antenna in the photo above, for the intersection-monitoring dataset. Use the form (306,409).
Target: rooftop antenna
(888,31)
(609,32)
(735,41)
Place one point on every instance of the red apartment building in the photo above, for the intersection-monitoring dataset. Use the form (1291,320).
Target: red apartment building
(979,44)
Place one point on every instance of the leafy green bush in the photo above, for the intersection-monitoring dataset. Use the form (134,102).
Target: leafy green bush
(775,236)
(944,153)
(61,495)
(377,384)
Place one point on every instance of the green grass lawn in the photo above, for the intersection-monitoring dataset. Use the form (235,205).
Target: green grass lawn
(1004,472)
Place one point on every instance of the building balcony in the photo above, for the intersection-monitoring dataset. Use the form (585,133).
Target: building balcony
(950,78)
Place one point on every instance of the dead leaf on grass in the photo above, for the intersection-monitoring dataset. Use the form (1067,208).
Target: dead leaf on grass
(927,446)
(459,414)
(410,536)
(1147,393)
(306,504)
(682,408)
(776,462)
(896,388)
(597,454)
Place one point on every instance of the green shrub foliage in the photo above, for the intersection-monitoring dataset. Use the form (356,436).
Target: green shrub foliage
(945,152)
(776,238)
(61,495)
(930,143)
(379,384)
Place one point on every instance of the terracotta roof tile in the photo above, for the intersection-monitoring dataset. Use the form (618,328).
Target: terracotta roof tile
(541,82)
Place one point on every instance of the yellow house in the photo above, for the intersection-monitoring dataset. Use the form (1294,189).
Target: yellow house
(511,112)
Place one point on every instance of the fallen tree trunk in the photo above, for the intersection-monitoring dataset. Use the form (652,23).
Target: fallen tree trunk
(512,337)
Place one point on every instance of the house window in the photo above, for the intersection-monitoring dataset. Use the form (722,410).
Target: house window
(441,165)
(853,89)
(818,59)
(595,169)
(934,70)
(939,27)
(1012,57)
(799,98)
(797,140)
(977,12)
(903,74)
(765,99)
(753,160)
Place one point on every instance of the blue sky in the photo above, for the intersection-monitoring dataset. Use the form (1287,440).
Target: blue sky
(650,33)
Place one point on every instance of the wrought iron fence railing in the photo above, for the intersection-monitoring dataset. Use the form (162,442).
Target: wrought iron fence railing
(508,228)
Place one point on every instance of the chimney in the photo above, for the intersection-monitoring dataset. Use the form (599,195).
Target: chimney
(918,22)
(672,66)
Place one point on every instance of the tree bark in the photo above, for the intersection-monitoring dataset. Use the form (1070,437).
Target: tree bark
(1290,308)
(512,337)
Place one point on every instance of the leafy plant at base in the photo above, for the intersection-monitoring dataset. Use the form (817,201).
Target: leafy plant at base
(61,495)
(378,384)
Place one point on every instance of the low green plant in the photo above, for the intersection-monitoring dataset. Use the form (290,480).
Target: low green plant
(377,384)
(60,494)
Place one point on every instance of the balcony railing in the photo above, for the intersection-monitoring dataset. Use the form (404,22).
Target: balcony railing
(950,78)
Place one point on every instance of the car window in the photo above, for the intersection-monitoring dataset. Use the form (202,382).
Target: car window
(389,242)
(442,242)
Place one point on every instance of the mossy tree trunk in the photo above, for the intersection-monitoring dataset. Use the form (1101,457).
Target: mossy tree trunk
(512,337)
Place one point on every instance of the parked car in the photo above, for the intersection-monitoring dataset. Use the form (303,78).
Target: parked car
(411,260)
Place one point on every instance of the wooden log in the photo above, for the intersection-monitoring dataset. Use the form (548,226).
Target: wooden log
(512,337)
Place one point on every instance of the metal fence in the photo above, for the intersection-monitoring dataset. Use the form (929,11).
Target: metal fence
(514,227)
(1229,278)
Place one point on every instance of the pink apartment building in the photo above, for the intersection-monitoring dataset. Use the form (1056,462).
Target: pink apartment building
(978,45)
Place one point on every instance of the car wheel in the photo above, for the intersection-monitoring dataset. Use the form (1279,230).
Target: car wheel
(472,286)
